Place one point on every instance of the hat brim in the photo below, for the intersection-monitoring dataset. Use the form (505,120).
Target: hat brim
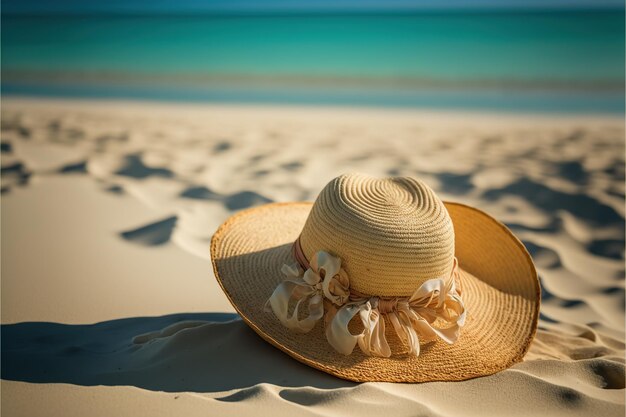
(499,282)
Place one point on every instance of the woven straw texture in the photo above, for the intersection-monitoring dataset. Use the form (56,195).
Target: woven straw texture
(499,283)
(392,234)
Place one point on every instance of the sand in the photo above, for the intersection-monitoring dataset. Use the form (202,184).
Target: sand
(109,305)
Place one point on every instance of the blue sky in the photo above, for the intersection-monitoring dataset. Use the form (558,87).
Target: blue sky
(243,6)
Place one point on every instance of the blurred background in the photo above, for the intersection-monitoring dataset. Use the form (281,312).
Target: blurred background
(552,55)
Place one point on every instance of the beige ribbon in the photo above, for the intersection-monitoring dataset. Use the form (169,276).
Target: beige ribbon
(412,318)
(436,301)
(322,279)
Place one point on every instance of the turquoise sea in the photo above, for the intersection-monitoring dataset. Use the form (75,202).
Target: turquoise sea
(531,61)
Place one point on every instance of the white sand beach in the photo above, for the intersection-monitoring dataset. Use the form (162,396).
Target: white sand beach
(110,306)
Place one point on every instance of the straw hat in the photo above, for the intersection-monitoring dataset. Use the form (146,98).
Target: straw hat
(379,280)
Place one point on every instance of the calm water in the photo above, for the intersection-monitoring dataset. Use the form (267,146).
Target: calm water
(524,61)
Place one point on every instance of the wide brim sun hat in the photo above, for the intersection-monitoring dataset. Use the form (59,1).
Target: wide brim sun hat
(379,280)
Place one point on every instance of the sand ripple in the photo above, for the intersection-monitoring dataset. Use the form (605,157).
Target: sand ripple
(558,183)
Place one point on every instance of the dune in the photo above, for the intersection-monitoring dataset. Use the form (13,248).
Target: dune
(110,306)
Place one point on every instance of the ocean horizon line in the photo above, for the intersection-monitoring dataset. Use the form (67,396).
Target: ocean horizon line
(294,80)
(566,103)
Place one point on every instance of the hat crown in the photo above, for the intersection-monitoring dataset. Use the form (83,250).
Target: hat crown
(392,234)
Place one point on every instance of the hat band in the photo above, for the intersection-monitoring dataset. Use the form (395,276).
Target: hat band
(298,253)
(436,302)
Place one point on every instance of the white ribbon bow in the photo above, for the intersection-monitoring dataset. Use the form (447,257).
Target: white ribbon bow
(324,278)
(412,318)
(434,301)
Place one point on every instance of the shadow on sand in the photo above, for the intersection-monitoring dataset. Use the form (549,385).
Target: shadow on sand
(209,352)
